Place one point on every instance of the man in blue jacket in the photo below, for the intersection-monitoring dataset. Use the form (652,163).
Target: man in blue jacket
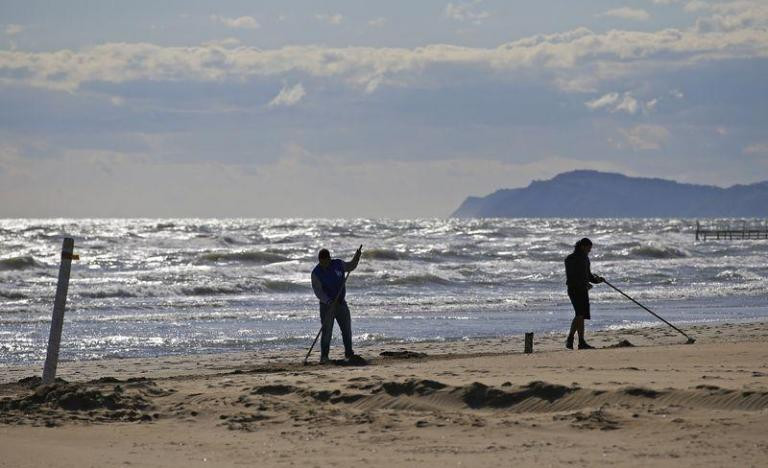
(579,278)
(328,284)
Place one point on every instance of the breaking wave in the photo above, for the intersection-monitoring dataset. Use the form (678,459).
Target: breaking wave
(424,279)
(381,254)
(284,286)
(111,292)
(209,290)
(247,256)
(13,295)
(658,252)
(18,263)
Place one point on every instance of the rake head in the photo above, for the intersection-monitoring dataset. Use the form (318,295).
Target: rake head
(690,341)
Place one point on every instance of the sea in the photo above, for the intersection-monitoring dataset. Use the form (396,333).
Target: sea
(159,287)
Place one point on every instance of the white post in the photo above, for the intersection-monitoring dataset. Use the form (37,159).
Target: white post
(57,322)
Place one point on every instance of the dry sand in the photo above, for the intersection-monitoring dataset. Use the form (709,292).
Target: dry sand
(475,403)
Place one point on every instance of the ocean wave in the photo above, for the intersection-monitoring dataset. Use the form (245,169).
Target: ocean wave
(112,292)
(231,240)
(423,279)
(742,275)
(246,256)
(658,252)
(283,286)
(13,295)
(382,254)
(18,263)
(210,290)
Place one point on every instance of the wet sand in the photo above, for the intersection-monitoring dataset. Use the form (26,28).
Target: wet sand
(474,403)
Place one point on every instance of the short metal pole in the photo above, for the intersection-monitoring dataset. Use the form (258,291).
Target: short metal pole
(57,322)
(529,343)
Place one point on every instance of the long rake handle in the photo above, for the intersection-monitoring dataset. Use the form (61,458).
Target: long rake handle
(647,309)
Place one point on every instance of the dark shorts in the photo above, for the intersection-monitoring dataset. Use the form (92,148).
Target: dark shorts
(580,301)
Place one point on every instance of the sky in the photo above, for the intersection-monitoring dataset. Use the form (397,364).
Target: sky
(367,109)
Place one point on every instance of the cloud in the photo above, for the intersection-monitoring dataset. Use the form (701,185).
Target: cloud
(696,5)
(241,22)
(377,22)
(634,14)
(646,137)
(466,11)
(223,43)
(575,60)
(613,102)
(288,96)
(13,29)
(334,19)
(730,16)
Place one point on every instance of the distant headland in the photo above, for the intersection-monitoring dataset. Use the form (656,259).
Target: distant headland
(593,194)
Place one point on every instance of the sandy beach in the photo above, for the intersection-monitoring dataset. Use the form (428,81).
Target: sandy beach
(475,403)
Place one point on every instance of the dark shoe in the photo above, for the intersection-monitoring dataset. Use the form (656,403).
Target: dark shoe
(585,345)
(356,360)
(324,360)
(569,343)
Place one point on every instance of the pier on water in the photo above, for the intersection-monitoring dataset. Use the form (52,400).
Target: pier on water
(744,231)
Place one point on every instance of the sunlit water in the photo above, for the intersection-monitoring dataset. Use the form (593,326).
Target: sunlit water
(158,287)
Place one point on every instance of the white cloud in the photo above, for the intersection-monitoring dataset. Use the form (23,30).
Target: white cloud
(13,29)
(634,14)
(335,18)
(574,60)
(466,11)
(377,22)
(288,96)
(241,22)
(224,43)
(614,102)
(696,5)
(607,100)
(677,94)
(646,137)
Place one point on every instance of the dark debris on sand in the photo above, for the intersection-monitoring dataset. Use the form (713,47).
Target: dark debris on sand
(404,354)
(97,401)
(478,395)
(598,419)
(621,344)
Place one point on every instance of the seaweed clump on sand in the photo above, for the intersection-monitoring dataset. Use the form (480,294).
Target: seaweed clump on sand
(80,401)
(621,344)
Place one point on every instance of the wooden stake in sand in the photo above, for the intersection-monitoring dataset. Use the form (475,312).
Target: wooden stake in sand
(529,343)
(57,322)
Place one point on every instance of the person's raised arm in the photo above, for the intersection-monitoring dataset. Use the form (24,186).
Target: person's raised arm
(349,266)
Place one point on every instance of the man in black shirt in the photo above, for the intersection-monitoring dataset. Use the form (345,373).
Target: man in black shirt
(579,278)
